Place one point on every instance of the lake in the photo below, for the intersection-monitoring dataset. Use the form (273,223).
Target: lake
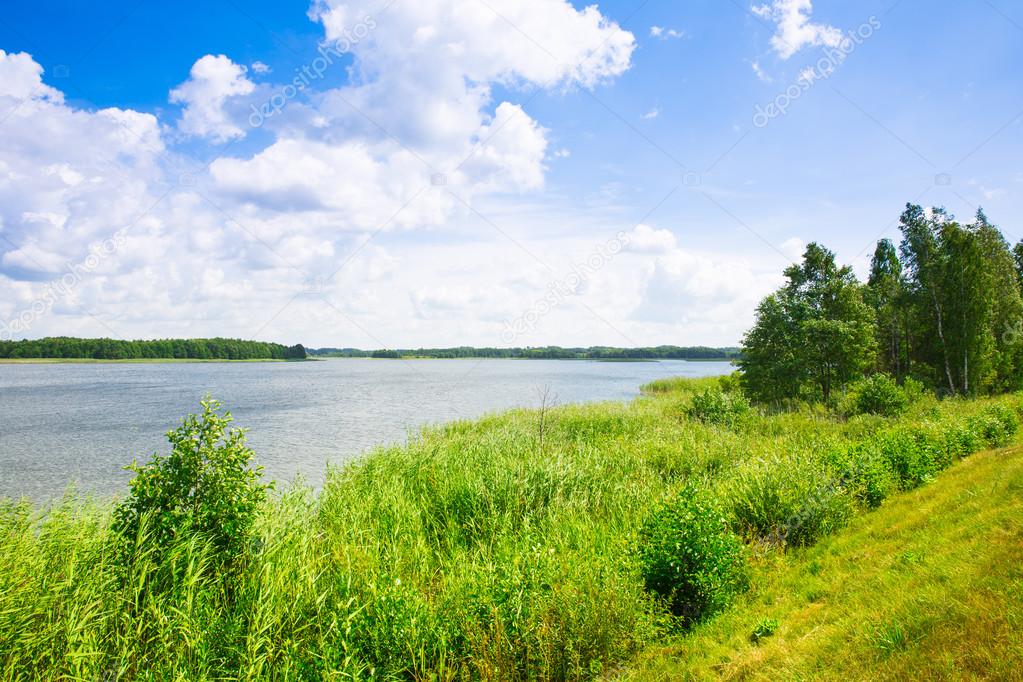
(63,423)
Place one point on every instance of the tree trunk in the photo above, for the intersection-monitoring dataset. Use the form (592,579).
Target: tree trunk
(966,372)
(944,347)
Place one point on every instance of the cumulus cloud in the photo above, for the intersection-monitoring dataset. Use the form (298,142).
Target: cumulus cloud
(714,294)
(212,81)
(415,125)
(795,30)
(645,239)
(66,176)
(419,113)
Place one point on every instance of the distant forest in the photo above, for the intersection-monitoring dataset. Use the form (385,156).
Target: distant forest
(545,353)
(63,347)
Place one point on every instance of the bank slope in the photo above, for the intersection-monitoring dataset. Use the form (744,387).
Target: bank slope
(929,586)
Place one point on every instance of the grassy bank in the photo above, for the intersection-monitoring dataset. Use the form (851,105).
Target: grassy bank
(930,586)
(513,546)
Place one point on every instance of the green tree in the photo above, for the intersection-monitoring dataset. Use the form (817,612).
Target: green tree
(812,335)
(963,295)
(886,295)
(206,485)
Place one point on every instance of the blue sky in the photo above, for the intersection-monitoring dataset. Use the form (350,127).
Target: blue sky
(479,172)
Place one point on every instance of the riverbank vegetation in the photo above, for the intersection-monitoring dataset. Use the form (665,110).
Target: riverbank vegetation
(68,348)
(480,549)
(543,353)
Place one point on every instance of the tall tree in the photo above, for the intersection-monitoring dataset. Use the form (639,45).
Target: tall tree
(886,294)
(812,335)
(923,256)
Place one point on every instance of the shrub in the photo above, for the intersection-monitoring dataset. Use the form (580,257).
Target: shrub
(911,457)
(717,407)
(877,394)
(996,425)
(690,558)
(870,474)
(765,627)
(206,486)
(789,501)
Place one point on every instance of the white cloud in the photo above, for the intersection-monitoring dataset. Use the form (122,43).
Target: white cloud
(708,295)
(761,74)
(212,81)
(793,249)
(652,114)
(795,31)
(259,67)
(665,33)
(645,239)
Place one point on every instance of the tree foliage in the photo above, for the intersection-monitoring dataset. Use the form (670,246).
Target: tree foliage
(206,485)
(944,308)
(64,347)
(811,336)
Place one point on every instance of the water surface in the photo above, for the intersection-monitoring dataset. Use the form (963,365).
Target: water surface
(82,423)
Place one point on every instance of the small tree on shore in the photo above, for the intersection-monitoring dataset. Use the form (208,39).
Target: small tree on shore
(206,485)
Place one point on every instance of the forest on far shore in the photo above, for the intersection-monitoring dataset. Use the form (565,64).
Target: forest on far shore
(65,347)
(540,353)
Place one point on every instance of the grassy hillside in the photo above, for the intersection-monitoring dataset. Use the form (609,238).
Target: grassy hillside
(514,546)
(929,586)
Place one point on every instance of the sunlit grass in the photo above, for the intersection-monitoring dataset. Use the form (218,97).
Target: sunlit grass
(930,586)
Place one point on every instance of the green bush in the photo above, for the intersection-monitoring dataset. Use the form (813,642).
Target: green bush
(870,474)
(877,394)
(996,425)
(690,558)
(910,456)
(717,407)
(792,500)
(205,486)
(765,627)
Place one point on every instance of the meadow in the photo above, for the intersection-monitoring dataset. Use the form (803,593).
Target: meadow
(573,542)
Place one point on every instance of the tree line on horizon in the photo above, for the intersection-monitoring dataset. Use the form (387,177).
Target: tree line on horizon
(541,353)
(943,308)
(65,347)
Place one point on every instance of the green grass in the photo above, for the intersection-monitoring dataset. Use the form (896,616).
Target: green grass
(929,586)
(476,552)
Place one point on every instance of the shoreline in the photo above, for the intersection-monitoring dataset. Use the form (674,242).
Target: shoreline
(139,361)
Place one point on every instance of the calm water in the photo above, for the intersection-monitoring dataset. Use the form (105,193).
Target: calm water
(82,423)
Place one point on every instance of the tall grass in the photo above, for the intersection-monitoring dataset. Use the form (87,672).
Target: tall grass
(470,552)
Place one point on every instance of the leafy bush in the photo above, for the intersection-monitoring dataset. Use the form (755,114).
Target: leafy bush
(911,456)
(717,407)
(996,425)
(690,558)
(870,474)
(877,394)
(791,500)
(765,627)
(205,486)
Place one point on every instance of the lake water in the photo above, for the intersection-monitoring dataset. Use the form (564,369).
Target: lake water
(82,423)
